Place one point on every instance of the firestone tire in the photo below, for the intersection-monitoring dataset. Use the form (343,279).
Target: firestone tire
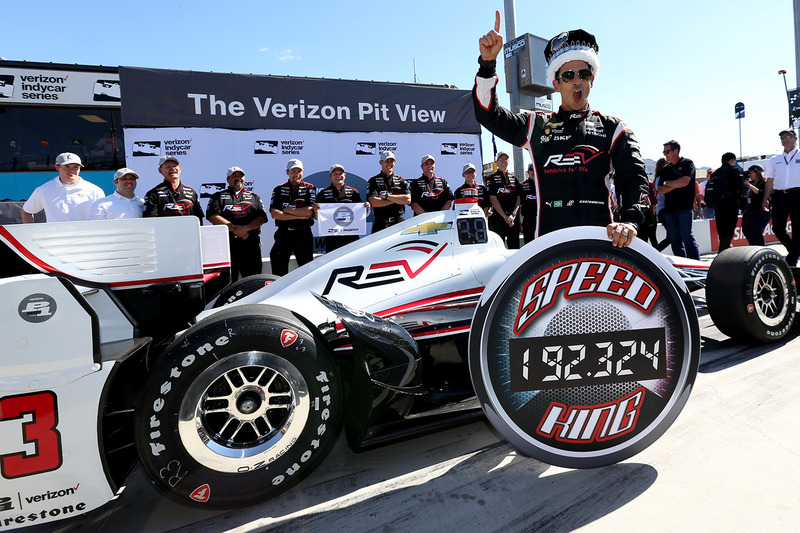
(751,294)
(244,287)
(241,407)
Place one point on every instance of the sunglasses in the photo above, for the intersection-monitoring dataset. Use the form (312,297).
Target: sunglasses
(569,75)
(668,151)
(787,136)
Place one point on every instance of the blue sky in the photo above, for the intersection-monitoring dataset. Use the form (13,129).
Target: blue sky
(670,69)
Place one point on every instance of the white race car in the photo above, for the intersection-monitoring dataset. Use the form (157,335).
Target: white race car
(580,354)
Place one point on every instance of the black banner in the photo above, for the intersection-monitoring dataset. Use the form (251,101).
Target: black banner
(173,98)
(794,104)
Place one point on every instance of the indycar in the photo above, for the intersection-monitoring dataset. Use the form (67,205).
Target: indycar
(120,345)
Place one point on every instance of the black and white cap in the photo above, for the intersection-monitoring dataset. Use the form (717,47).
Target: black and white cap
(573,45)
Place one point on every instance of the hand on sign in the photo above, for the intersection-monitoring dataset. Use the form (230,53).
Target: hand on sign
(491,43)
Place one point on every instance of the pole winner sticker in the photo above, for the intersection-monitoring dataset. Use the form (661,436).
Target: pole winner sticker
(583,354)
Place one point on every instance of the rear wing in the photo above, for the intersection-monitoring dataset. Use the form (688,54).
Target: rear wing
(124,253)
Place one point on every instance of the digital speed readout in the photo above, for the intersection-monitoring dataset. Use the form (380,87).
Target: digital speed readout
(588,359)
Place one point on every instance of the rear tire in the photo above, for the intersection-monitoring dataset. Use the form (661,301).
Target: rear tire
(751,294)
(241,407)
(244,287)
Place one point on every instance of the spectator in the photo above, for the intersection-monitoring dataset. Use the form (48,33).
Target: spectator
(755,215)
(123,203)
(678,188)
(388,194)
(171,197)
(292,209)
(66,197)
(469,172)
(573,149)
(502,187)
(529,205)
(727,211)
(707,210)
(429,192)
(783,188)
(660,201)
(242,211)
(338,192)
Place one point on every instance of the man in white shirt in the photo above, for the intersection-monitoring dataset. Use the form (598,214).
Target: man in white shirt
(64,198)
(123,203)
(783,184)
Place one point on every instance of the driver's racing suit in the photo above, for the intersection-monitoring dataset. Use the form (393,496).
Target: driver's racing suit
(573,153)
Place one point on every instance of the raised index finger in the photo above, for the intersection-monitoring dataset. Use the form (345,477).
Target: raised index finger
(497,21)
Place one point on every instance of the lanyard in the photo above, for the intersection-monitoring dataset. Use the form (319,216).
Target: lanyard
(791,156)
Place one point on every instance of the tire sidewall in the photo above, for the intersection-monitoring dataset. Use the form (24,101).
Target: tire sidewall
(159,443)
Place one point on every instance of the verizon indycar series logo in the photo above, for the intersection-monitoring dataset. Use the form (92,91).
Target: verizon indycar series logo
(584,352)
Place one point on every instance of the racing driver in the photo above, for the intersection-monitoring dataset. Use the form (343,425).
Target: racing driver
(573,149)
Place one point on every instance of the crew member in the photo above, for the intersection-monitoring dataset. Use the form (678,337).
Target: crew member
(468,173)
(572,149)
(292,209)
(242,211)
(388,194)
(171,197)
(338,192)
(529,205)
(429,192)
(503,190)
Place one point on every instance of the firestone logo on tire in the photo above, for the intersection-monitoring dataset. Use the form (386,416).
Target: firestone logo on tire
(288,337)
(201,494)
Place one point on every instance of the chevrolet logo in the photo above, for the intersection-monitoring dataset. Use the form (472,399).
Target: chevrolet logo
(427,228)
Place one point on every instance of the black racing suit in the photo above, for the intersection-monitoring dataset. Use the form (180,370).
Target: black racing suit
(572,154)
(164,200)
(240,208)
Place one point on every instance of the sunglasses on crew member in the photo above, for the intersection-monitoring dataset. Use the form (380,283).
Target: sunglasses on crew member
(569,75)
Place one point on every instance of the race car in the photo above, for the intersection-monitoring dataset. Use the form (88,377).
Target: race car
(580,354)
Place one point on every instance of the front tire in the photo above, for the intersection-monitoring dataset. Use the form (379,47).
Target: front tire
(241,407)
(751,294)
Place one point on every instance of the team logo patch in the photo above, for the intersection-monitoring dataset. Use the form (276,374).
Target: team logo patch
(201,494)
(288,337)
(582,353)
(37,308)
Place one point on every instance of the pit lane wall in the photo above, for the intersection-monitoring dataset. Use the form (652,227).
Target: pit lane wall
(212,121)
(705,233)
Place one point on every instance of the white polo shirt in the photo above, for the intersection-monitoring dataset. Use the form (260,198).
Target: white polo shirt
(116,206)
(63,203)
(784,169)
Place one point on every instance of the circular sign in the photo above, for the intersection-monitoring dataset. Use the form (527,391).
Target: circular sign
(37,308)
(583,354)
(343,216)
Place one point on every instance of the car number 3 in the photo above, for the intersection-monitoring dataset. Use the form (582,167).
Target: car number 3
(39,433)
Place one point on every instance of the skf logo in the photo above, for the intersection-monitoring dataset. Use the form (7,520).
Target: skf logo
(592,423)
(584,277)
(201,494)
(288,337)
(581,156)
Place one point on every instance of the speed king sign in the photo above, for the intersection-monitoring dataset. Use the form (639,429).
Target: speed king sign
(583,354)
